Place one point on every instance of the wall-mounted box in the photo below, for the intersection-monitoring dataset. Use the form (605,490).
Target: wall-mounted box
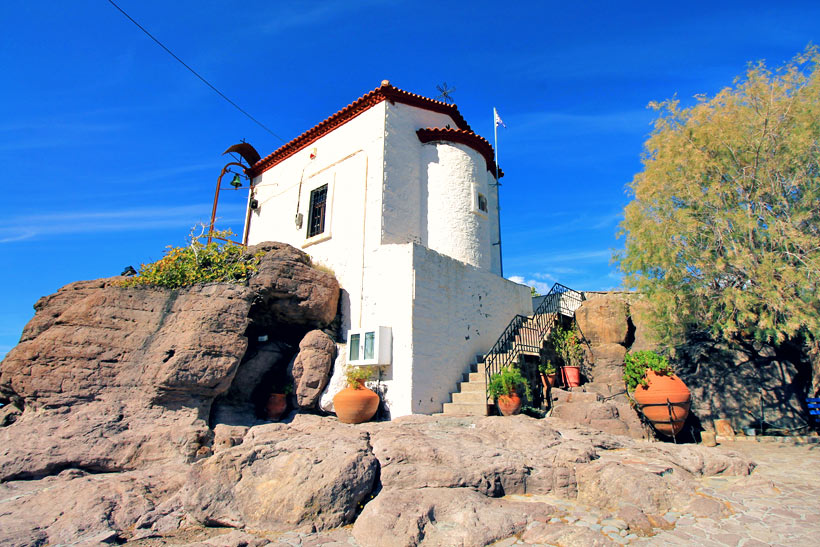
(370,346)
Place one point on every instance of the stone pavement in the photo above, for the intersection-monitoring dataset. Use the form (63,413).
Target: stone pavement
(778,505)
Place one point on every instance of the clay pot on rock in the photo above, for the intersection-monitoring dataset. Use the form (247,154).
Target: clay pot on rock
(664,394)
(356,405)
(276,406)
(571,376)
(509,405)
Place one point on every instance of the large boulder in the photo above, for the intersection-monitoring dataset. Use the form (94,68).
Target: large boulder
(290,290)
(444,516)
(281,478)
(603,319)
(311,368)
(112,378)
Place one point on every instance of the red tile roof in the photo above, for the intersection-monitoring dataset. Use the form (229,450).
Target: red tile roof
(466,137)
(385,92)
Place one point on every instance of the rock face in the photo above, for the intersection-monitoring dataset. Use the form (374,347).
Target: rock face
(729,383)
(311,368)
(603,320)
(744,384)
(113,379)
(117,434)
(281,478)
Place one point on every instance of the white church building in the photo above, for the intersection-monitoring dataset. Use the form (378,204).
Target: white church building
(399,197)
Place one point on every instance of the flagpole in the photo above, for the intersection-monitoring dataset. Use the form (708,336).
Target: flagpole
(497,193)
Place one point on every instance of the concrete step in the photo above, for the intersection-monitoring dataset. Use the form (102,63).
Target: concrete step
(471,386)
(476,377)
(575,396)
(465,409)
(478,397)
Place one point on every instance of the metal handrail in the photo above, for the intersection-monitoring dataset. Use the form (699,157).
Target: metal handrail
(527,334)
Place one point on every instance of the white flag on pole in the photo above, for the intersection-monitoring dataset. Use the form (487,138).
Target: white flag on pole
(498,120)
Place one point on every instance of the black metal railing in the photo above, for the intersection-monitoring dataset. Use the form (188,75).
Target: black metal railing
(526,335)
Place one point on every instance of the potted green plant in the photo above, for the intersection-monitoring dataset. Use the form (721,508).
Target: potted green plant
(356,403)
(567,344)
(506,388)
(277,403)
(662,397)
(548,373)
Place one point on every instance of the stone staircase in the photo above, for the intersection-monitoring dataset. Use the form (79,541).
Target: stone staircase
(471,397)
(525,336)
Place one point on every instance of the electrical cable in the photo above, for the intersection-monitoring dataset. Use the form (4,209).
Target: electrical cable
(194,72)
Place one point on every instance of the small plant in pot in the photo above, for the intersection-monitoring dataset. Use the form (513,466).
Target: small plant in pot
(277,403)
(506,388)
(567,344)
(356,403)
(548,373)
(661,396)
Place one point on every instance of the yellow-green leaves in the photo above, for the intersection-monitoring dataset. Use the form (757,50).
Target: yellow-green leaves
(197,262)
(723,233)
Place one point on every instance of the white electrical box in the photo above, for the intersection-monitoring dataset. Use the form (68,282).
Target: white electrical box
(372,346)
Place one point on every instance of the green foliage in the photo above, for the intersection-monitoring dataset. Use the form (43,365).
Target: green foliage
(546,368)
(722,234)
(534,292)
(198,262)
(636,365)
(507,382)
(567,345)
(356,376)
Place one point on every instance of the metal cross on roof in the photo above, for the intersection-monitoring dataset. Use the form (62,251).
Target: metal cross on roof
(446,92)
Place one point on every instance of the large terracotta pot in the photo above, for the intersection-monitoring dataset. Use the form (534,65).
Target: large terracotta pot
(572,376)
(662,388)
(276,405)
(355,406)
(509,404)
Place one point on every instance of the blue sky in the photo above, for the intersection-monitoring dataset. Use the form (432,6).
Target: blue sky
(111,149)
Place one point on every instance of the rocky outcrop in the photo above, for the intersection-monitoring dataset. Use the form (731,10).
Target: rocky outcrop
(312,366)
(444,516)
(603,319)
(745,384)
(119,433)
(439,480)
(280,478)
(588,408)
(113,379)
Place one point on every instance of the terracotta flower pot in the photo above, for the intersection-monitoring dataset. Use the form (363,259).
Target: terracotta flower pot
(548,380)
(509,404)
(662,388)
(276,405)
(355,406)
(572,376)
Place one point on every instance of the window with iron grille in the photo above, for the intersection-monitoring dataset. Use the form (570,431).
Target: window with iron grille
(318,206)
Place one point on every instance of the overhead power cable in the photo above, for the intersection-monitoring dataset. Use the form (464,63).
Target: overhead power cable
(194,72)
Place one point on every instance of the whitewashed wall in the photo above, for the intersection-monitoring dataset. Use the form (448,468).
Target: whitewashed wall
(459,311)
(389,197)
(349,159)
(429,190)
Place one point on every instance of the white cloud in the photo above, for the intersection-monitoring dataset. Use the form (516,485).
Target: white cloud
(132,220)
(542,287)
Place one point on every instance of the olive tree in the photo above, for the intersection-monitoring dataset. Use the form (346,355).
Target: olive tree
(723,231)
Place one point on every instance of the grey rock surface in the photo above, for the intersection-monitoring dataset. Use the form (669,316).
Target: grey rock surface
(312,366)
(281,478)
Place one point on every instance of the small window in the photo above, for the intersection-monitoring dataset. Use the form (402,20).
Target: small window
(371,346)
(482,203)
(318,206)
(354,347)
